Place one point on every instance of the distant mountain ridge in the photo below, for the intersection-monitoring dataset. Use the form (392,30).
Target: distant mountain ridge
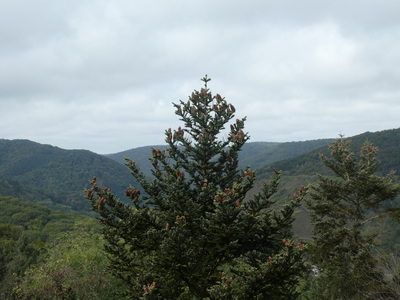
(56,177)
(253,154)
(309,163)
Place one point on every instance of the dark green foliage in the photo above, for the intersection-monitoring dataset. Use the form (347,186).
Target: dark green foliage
(341,207)
(54,177)
(193,236)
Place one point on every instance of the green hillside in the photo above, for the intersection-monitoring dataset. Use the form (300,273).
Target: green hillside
(25,228)
(45,254)
(259,154)
(255,155)
(388,142)
(56,177)
(139,155)
(302,169)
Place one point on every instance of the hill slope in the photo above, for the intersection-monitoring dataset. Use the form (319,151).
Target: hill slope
(27,232)
(309,163)
(56,177)
(301,171)
(255,154)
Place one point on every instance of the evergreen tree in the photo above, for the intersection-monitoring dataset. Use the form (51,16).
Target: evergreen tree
(341,207)
(191,234)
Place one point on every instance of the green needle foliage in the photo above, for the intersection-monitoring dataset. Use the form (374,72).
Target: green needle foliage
(341,207)
(191,235)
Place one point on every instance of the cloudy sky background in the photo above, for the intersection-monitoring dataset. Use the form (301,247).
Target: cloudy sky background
(101,75)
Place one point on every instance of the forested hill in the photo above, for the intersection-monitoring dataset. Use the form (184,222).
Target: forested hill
(301,170)
(56,177)
(309,163)
(253,154)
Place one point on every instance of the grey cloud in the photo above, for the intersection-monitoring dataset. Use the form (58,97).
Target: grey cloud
(79,73)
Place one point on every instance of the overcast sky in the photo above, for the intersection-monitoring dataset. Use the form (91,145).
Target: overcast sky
(102,75)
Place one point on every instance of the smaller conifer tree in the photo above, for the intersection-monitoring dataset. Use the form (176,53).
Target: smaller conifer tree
(191,234)
(341,206)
